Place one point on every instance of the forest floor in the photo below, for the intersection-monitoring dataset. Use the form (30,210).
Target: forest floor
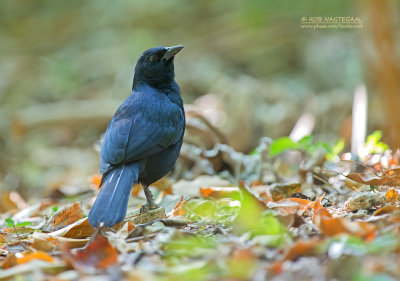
(287,211)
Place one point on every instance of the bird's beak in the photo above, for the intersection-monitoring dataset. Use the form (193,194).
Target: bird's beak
(172,51)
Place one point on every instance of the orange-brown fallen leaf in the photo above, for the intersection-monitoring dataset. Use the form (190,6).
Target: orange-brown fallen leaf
(79,229)
(290,206)
(38,255)
(99,254)
(178,210)
(317,204)
(3,238)
(44,245)
(125,228)
(392,195)
(66,216)
(163,184)
(136,188)
(58,241)
(301,248)
(168,190)
(330,226)
(281,191)
(386,210)
(11,200)
(95,179)
(9,261)
(389,177)
(265,197)
(219,192)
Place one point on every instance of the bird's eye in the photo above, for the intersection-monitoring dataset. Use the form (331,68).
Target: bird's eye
(153,58)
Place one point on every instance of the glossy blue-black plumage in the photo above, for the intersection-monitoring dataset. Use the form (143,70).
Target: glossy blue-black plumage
(143,139)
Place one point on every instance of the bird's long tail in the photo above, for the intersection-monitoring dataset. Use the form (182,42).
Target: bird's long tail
(112,201)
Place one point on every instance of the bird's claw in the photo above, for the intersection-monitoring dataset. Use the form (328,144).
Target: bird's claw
(146,207)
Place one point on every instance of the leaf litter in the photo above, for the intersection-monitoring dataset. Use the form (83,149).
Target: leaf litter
(263,216)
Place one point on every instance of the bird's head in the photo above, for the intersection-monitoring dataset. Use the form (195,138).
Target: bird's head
(156,66)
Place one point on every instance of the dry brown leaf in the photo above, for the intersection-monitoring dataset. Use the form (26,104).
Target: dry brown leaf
(330,226)
(178,210)
(392,196)
(80,229)
(44,245)
(59,241)
(386,210)
(219,192)
(301,248)
(289,206)
(65,217)
(389,177)
(136,188)
(281,191)
(95,179)
(77,230)
(98,254)
(11,200)
(163,184)
(3,238)
(38,255)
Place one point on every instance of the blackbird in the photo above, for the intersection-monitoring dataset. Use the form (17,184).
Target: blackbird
(144,137)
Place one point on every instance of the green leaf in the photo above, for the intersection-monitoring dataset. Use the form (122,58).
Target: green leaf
(23,223)
(333,151)
(183,245)
(10,222)
(375,137)
(253,152)
(270,231)
(374,144)
(384,244)
(376,277)
(281,145)
(204,210)
(306,141)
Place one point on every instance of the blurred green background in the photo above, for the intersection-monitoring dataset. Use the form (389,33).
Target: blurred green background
(65,66)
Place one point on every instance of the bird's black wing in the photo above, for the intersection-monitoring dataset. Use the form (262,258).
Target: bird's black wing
(143,126)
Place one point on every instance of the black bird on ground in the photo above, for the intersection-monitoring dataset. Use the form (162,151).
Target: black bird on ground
(143,139)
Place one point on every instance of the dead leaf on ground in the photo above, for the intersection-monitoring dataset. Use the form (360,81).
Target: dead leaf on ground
(38,255)
(9,261)
(386,210)
(301,248)
(57,241)
(11,200)
(178,210)
(220,192)
(331,226)
(79,229)
(290,206)
(98,254)
(65,217)
(389,177)
(392,196)
(281,191)
(95,180)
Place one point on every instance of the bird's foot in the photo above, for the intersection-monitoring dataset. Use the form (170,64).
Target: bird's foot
(146,207)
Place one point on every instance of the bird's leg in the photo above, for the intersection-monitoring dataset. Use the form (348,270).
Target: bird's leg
(150,205)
